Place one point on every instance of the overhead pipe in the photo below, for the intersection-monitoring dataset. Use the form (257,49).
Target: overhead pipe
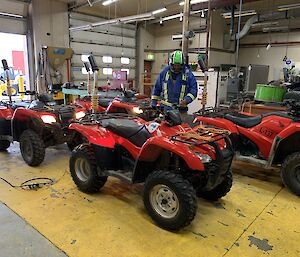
(215,4)
(257,18)
(232,21)
(185,29)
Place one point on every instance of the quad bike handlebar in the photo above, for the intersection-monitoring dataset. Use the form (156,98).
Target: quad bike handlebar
(87,67)
(93,63)
(293,106)
(4,64)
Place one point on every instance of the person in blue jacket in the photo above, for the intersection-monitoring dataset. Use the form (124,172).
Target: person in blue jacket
(175,85)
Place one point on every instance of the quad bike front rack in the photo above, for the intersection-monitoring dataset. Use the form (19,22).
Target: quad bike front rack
(206,136)
(202,133)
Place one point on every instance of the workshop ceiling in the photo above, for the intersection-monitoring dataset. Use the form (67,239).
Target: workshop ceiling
(123,8)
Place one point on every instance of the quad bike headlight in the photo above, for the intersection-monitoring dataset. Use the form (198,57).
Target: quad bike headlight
(137,110)
(48,119)
(79,115)
(205,158)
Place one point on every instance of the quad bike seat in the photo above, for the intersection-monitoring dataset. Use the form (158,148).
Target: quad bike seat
(245,122)
(135,133)
(104,102)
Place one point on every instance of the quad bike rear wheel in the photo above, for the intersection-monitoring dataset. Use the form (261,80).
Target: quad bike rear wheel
(83,170)
(170,200)
(290,172)
(220,190)
(4,144)
(32,148)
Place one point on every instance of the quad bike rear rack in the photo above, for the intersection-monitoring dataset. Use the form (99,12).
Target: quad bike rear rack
(214,112)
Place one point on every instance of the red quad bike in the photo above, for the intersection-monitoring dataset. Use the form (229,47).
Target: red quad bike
(266,140)
(127,101)
(175,162)
(36,125)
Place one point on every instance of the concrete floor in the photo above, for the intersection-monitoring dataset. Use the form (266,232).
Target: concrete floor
(257,218)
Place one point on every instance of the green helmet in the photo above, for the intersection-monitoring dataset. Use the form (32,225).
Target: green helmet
(176,58)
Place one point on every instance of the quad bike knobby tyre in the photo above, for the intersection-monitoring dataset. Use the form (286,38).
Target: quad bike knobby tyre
(4,144)
(220,190)
(32,148)
(290,172)
(170,200)
(83,169)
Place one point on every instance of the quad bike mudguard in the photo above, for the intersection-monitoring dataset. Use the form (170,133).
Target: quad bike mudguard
(95,134)
(218,122)
(152,149)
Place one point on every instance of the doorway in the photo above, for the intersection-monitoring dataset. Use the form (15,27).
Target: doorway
(147,78)
(14,51)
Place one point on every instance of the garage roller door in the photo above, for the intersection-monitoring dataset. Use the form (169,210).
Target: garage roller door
(115,42)
(13,15)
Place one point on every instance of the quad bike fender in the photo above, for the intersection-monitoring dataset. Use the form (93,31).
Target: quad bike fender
(285,143)
(291,129)
(5,113)
(218,122)
(28,119)
(94,134)
(152,149)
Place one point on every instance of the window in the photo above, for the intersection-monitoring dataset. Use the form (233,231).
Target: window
(85,57)
(107,59)
(107,71)
(125,60)
(127,70)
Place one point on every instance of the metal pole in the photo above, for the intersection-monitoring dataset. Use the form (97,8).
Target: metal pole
(204,93)
(185,28)
(237,51)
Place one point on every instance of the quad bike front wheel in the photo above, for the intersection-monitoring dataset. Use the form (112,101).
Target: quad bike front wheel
(83,169)
(4,144)
(170,200)
(32,148)
(290,172)
(220,190)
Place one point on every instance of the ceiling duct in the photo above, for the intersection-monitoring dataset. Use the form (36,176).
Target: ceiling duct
(258,18)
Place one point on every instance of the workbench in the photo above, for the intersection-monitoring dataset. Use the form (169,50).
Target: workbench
(82,93)
(258,109)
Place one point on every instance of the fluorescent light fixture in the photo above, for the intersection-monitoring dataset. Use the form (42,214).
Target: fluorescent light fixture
(194,2)
(11,15)
(268,29)
(288,7)
(177,37)
(179,15)
(159,11)
(237,14)
(108,2)
(265,24)
(171,17)
(127,19)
